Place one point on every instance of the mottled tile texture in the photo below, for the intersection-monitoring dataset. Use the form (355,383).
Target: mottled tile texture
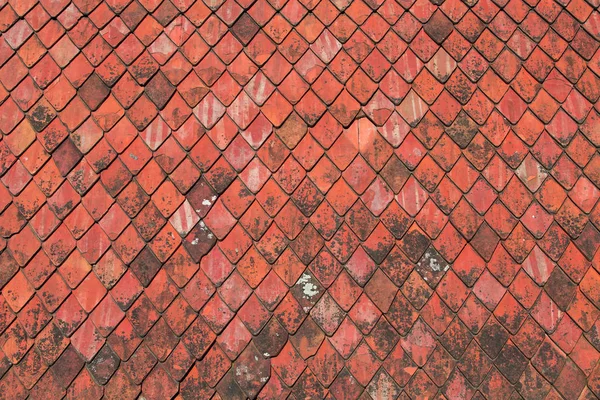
(299,199)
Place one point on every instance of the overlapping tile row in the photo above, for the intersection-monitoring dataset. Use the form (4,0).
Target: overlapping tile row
(304,199)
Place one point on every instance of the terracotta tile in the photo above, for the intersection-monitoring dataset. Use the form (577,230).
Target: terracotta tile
(312,105)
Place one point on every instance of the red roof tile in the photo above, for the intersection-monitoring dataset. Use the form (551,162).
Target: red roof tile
(304,198)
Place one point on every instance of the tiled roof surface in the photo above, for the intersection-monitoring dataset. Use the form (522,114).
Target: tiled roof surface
(303,199)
